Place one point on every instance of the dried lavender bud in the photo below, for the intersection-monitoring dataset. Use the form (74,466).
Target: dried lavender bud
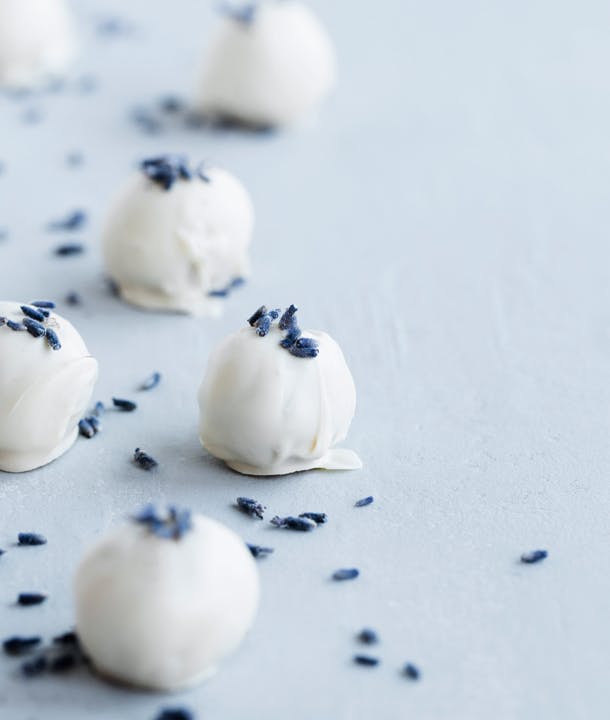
(74,221)
(85,428)
(30,598)
(411,671)
(151,382)
(175,714)
(304,348)
(365,501)
(34,328)
(73,298)
(52,339)
(291,337)
(95,423)
(68,249)
(366,660)
(318,517)
(258,551)
(69,638)
(166,170)
(126,405)
(63,663)
(99,408)
(46,304)
(144,460)
(534,556)
(20,645)
(33,313)
(18,327)
(302,524)
(368,636)
(30,538)
(346,574)
(251,507)
(35,667)
(244,15)
(171,527)
(288,319)
(253,319)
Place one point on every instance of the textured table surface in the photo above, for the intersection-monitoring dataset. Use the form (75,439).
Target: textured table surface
(446,220)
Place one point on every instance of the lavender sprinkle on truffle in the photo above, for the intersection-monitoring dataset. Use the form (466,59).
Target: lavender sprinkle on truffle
(534,556)
(30,598)
(52,339)
(16,326)
(171,527)
(46,304)
(34,327)
(364,501)
(20,645)
(125,405)
(346,574)
(30,538)
(144,460)
(33,313)
(251,507)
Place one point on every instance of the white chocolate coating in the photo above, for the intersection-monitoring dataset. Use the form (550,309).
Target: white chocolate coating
(167,249)
(265,412)
(36,40)
(272,71)
(43,392)
(161,614)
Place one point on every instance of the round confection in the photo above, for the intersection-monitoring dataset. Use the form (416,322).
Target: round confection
(177,239)
(44,392)
(160,604)
(272,409)
(36,41)
(268,65)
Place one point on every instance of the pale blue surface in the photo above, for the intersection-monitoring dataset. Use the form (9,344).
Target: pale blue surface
(447,221)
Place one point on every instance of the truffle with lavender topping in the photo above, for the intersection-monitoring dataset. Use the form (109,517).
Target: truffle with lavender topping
(275,400)
(269,64)
(177,236)
(164,598)
(46,379)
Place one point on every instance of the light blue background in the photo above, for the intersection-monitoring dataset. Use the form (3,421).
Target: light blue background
(446,220)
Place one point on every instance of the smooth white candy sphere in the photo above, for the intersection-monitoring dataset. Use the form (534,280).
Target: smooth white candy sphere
(168,249)
(43,392)
(36,41)
(266,412)
(271,71)
(162,613)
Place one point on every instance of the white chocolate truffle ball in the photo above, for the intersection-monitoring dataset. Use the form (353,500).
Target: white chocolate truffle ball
(269,66)
(160,609)
(36,41)
(177,240)
(43,392)
(266,410)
